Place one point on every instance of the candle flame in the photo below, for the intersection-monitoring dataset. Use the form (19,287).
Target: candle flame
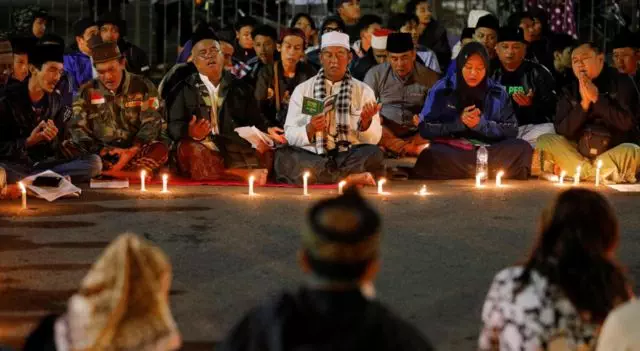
(307,174)
(499,178)
(23,189)
(479,177)
(381,182)
(423,191)
(341,186)
(599,165)
(252,179)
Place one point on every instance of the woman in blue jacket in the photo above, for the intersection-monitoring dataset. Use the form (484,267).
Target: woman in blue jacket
(468,106)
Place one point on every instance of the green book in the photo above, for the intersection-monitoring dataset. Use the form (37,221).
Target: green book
(314,107)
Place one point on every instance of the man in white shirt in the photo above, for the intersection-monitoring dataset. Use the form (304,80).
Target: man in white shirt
(340,144)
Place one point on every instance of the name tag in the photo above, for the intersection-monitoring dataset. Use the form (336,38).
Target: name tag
(134,103)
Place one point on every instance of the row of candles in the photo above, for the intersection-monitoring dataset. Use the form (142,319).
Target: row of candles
(305,183)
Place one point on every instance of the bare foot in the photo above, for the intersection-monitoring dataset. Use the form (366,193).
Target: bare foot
(261,176)
(361,179)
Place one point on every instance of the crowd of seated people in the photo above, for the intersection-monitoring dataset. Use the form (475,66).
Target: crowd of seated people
(541,102)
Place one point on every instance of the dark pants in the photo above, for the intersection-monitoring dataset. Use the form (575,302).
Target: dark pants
(442,161)
(173,21)
(80,169)
(291,163)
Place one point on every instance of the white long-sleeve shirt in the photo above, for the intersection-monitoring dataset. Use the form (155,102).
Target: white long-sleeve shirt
(295,127)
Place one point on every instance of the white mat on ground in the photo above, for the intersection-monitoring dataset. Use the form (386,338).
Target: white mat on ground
(66,188)
(626,188)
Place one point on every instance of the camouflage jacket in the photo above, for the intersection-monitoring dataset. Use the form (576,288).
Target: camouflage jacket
(102,118)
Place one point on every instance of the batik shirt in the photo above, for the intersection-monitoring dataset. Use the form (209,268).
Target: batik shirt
(531,319)
(102,118)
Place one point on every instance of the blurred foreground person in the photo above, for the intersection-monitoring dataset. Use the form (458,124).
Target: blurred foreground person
(559,297)
(122,304)
(335,310)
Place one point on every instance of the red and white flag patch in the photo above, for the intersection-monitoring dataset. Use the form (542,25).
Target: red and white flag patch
(97,98)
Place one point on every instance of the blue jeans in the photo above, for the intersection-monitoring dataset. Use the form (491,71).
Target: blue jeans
(80,169)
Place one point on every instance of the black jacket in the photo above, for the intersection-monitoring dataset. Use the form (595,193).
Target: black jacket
(322,320)
(616,108)
(17,121)
(265,82)
(435,38)
(540,51)
(137,59)
(360,66)
(537,78)
(239,109)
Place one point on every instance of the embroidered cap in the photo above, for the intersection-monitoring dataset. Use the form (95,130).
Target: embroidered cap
(379,38)
(335,39)
(342,237)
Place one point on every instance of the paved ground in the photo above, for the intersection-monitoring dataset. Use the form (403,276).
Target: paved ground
(229,251)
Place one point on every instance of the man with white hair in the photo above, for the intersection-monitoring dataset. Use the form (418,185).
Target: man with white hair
(203,112)
(338,143)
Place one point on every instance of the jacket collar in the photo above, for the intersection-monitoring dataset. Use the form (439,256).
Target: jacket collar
(225,83)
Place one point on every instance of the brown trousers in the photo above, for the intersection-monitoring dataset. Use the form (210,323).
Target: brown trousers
(198,162)
(400,146)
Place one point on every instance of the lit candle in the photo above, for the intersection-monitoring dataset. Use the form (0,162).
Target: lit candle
(598,166)
(479,177)
(143,176)
(499,178)
(576,178)
(562,175)
(165,180)
(305,180)
(341,186)
(423,191)
(23,190)
(380,184)
(251,180)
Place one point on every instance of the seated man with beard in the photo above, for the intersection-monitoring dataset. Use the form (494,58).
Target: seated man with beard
(203,113)
(401,86)
(341,143)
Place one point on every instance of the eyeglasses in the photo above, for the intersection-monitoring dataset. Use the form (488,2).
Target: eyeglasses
(341,55)
(211,53)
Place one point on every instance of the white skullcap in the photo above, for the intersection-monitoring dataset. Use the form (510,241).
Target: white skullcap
(335,39)
(379,39)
